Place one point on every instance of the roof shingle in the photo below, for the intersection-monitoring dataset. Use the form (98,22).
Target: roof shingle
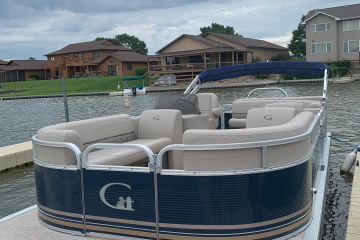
(342,12)
(125,56)
(247,42)
(2,62)
(25,65)
(88,46)
(211,43)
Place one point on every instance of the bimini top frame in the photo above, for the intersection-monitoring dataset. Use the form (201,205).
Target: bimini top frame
(315,69)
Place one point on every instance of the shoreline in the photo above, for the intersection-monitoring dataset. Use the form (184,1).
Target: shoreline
(217,85)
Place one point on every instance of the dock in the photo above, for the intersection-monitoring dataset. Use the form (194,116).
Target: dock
(353,223)
(15,155)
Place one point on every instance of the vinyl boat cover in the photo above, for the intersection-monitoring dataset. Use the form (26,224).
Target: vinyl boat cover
(296,68)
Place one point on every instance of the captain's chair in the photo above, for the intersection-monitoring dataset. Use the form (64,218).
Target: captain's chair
(208,104)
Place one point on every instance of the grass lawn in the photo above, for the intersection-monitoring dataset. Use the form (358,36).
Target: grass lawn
(73,85)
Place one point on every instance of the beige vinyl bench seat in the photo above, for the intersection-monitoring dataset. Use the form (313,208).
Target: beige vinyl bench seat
(126,157)
(240,107)
(155,129)
(248,158)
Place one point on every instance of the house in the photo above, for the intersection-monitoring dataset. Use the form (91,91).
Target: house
(333,33)
(119,63)
(188,55)
(93,58)
(20,70)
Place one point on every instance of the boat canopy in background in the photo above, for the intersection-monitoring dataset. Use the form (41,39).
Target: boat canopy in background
(296,68)
(132,78)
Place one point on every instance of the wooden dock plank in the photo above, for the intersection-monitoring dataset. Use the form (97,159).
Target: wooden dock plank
(353,223)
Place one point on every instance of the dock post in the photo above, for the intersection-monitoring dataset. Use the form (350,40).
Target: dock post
(65,100)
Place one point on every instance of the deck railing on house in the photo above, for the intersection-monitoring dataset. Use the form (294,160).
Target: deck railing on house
(184,71)
(83,60)
(53,63)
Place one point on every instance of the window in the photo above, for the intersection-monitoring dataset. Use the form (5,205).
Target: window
(320,47)
(351,46)
(94,68)
(175,60)
(129,66)
(112,61)
(81,55)
(52,58)
(95,54)
(199,59)
(351,25)
(320,27)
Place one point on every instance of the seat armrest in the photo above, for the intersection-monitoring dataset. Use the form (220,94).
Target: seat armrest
(217,112)
(315,105)
(237,123)
(135,120)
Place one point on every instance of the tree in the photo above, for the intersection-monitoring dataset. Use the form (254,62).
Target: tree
(32,58)
(297,43)
(128,41)
(217,28)
(132,42)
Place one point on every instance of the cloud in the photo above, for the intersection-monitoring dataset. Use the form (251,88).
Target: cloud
(37,27)
(279,40)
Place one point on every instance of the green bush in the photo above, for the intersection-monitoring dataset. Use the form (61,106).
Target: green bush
(280,57)
(35,75)
(140,71)
(336,68)
(31,79)
(261,76)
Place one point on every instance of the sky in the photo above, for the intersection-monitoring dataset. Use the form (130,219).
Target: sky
(37,27)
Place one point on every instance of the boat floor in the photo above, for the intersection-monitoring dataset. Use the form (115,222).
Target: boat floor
(27,226)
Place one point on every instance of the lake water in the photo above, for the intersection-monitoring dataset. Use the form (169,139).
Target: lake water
(20,120)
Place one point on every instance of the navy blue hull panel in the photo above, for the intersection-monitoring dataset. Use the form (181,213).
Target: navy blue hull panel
(59,197)
(124,202)
(58,189)
(281,196)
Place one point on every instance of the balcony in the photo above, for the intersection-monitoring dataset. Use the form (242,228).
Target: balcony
(75,61)
(53,63)
(184,71)
(187,67)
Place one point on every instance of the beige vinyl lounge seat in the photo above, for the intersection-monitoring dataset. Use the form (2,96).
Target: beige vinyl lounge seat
(208,104)
(155,129)
(246,123)
(249,158)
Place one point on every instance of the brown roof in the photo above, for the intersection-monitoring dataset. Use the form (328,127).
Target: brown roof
(25,65)
(342,12)
(247,42)
(2,62)
(196,51)
(125,56)
(89,46)
(211,43)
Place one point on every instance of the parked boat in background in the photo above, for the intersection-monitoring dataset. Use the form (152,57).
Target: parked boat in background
(137,89)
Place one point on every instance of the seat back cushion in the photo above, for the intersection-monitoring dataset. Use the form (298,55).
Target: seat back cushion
(208,102)
(112,129)
(250,157)
(269,116)
(241,107)
(103,128)
(160,123)
(296,105)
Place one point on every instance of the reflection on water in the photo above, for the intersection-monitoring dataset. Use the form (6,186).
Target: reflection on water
(20,119)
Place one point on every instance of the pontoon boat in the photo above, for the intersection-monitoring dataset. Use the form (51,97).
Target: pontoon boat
(190,168)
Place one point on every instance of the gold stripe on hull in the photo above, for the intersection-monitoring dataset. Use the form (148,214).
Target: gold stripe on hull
(134,233)
(185,226)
